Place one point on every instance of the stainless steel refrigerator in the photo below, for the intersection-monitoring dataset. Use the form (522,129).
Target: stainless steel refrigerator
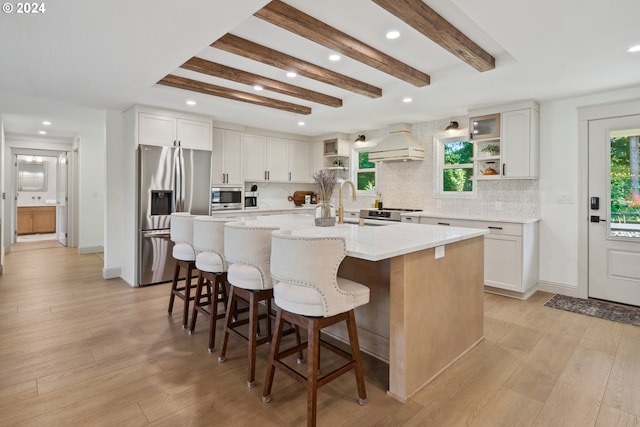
(170,179)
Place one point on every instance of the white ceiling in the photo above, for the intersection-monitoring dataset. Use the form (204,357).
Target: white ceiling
(109,55)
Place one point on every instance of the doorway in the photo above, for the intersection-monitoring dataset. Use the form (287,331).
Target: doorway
(40,196)
(614,209)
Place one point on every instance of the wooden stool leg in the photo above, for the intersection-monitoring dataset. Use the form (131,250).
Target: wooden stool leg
(194,311)
(217,290)
(355,352)
(187,296)
(253,331)
(174,286)
(231,311)
(275,349)
(313,364)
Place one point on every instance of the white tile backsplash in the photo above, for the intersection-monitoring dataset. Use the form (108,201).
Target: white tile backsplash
(411,184)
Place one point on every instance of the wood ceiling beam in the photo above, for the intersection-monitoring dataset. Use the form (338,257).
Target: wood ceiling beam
(236,95)
(214,69)
(257,52)
(427,21)
(298,22)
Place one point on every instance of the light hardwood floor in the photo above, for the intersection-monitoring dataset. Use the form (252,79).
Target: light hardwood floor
(77,350)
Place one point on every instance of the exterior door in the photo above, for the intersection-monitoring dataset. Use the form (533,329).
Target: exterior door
(62,182)
(614,209)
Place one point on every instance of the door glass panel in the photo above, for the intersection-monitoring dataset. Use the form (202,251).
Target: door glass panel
(624,188)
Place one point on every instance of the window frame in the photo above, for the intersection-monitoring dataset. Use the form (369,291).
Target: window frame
(440,167)
(355,163)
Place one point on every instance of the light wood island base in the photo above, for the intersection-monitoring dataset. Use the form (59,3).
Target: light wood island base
(424,313)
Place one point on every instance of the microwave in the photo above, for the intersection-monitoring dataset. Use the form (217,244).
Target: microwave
(226,198)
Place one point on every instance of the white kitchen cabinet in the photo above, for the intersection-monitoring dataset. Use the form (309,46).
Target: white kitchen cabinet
(226,159)
(484,127)
(165,130)
(317,158)
(510,257)
(519,144)
(513,135)
(452,222)
(299,161)
(510,253)
(275,159)
(254,163)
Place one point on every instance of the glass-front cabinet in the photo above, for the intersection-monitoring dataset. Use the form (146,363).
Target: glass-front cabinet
(484,127)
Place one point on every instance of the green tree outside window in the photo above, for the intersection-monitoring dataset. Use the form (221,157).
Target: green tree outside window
(366,173)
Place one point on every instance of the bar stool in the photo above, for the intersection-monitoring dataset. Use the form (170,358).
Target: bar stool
(309,294)
(248,250)
(182,235)
(208,242)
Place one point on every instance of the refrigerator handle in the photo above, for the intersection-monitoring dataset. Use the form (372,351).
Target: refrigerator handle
(177,179)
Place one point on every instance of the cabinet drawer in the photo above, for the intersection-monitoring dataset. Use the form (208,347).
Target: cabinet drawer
(508,228)
(447,222)
(411,219)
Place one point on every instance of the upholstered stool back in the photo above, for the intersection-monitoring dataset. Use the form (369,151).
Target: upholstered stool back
(208,242)
(182,236)
(305,271)
(247,248)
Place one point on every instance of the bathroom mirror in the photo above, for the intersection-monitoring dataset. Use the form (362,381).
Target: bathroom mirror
(32,176)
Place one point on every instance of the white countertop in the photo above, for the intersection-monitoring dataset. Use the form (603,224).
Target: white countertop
(374,243)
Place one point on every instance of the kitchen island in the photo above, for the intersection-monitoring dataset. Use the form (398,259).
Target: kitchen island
(426,303)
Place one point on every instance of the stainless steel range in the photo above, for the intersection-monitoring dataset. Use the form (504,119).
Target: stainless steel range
(387,214)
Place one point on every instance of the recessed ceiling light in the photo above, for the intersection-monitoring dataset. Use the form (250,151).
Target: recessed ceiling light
(257,87)
(46,123)
(191,102)
(334,57)
(391,35)
(635,48)
(407,100)
(300,123)
(291,74)
(42,132)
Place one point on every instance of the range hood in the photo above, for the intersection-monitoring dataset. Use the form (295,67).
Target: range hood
(398,146)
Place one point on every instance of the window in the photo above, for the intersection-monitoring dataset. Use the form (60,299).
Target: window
(365,172)
(454,167)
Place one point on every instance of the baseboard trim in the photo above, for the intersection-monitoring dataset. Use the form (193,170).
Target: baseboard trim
(558,288)
(511,294)
(111,273)
(90,250)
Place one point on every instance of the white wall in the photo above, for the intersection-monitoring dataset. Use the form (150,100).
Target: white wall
(2,191)
(559,172)
(91,185)
(114,250)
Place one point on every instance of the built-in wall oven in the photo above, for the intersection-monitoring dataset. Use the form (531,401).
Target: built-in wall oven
(226,198)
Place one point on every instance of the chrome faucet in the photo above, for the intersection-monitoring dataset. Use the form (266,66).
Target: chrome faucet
(340,207)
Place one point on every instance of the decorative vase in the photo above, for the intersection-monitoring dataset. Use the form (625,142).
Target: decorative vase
(325,214)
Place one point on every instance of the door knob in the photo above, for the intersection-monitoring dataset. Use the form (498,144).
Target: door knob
(596,218)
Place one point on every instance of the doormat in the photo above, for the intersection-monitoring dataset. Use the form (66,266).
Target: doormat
(628,315)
